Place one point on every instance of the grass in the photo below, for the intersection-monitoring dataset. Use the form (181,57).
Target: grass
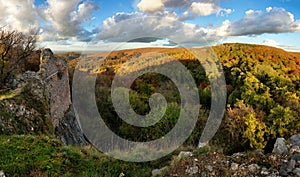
(29,155)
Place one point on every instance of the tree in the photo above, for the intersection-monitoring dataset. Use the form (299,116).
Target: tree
(15,48)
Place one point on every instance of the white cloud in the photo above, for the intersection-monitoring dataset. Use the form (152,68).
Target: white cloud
(128,26)
(65,18)
(271,42)
(190,8)
(150,5)
(204,8)
(18,14)
(268,9)
(274,20)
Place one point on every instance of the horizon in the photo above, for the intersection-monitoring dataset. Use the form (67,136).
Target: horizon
(84,25)
(162,47)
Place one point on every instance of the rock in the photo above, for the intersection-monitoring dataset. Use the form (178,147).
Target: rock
(234,167)
(54,73)
(253,168)
(296,171)
(291,165)
(183,154)
(238,155)
(156,172)
(202,144)
(203,174)
(296,157)
(2,174)
(69,130)
(295,149)
(264,171)
(50,103)
(192,170)
(283,170)
(295,140)
(209,168)
(280,146)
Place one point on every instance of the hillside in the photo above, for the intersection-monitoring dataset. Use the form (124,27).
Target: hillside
(263,86)
(263,104)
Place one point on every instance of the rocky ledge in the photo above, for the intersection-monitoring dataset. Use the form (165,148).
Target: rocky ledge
(283,161)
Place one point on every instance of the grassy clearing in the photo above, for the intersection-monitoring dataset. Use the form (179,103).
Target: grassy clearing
(46,156)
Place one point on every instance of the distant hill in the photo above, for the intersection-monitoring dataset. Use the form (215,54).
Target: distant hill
(263,90)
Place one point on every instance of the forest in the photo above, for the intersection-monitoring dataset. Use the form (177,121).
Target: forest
(262,86)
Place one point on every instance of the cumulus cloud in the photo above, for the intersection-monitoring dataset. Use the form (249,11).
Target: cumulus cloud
(271,42)
(18,14)
(66,17)
(127,26)
(273,20)
(190,8)
(150,5)
(67,20)
(203,9)
(124,27)
(159,5)
(177,3)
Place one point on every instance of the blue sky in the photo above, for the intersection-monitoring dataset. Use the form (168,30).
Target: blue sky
(77,25)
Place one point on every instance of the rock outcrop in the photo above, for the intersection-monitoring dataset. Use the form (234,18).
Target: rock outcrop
(54,73)
(42,97)
(282,162)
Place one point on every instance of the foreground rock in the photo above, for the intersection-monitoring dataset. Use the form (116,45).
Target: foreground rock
(2,174)
(283,161)
(280,146)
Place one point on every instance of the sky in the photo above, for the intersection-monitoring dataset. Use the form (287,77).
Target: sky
(101,25)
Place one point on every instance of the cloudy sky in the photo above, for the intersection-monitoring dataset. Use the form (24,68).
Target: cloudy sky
(75,25)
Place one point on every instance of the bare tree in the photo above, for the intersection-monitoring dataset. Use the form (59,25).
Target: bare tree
(15,47)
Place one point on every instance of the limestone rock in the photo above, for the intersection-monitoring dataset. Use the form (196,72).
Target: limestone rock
(296,157)
(46,102)
(295,140)
(209,168)
(280,146)
(183,154)
(156,172)
(70,131)
(296,171)
(253,168)
(2,174)
(192,170)
(234,166)
(54,73)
